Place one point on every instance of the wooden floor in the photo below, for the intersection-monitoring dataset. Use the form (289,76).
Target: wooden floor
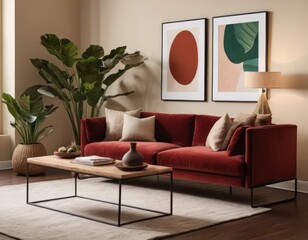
(286,221)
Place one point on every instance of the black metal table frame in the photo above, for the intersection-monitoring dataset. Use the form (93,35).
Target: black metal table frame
(119,204)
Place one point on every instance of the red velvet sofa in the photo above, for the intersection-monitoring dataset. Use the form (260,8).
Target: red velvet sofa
(256,156)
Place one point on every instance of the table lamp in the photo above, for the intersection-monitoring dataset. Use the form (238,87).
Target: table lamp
(263,80)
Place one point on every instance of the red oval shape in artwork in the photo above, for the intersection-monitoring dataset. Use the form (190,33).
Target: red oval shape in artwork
(183,57)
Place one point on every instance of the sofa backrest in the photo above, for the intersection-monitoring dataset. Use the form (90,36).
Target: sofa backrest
(180,129)
(173,128)
(203,125)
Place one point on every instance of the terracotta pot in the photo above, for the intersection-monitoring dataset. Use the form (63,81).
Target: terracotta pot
(24,151)
(132,157)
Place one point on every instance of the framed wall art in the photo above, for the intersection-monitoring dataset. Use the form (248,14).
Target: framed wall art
(239,45)
(183,60)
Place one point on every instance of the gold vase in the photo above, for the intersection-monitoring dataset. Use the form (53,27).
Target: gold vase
(24,151)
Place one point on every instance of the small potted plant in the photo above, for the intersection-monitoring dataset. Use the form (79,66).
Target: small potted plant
(29,112)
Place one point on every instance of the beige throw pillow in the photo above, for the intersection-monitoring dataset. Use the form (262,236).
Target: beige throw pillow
(242,119)
(246,118)
(138,129)
(218,133)
(263,119)
(229,135)
(114,123)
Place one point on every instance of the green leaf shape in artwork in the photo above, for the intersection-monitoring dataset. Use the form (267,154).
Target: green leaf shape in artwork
(251,65)
(241,43)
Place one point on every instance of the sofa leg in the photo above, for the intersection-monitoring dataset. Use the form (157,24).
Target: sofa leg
(230,190)
(253,205)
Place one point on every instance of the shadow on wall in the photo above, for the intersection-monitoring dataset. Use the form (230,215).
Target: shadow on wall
(117,104)
(144,83)
(129,102)
(295,81)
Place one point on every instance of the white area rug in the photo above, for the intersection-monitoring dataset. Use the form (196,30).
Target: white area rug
(195,206)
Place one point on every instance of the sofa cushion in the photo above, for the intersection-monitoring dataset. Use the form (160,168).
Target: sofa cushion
(232,129)
(218,133)
(203,159)
(203,125)
(173,128)
(263,119)
(237,143)
(114,123)
(95,128)
(248,119)
(138,129)
(242,119)
(116,149)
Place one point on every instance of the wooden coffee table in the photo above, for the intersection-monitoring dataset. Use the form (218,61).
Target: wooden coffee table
(106,171)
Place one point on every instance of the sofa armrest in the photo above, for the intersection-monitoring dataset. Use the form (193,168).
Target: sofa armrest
(270,154)
(92,130)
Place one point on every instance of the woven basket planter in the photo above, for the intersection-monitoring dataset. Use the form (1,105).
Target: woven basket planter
(24,151)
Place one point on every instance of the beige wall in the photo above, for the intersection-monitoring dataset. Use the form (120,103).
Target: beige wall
(34,18)
(137,24)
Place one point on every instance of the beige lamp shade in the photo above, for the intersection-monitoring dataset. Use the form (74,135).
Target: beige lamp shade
(262,80)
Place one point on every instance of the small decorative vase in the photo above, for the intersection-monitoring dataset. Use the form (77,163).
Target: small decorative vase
(132,158)
(24,151)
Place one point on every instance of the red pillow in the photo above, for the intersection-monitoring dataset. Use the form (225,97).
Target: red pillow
(237,143)
(95,129)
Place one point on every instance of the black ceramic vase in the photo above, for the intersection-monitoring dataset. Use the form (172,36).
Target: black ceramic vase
(132,158)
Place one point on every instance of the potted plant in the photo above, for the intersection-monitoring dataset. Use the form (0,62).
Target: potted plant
(29,113)
(81,83)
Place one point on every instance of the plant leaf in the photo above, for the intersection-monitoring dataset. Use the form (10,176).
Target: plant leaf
(113,58)
(93,51)
(64,49)
(51,73)
(12,105)
(113,77)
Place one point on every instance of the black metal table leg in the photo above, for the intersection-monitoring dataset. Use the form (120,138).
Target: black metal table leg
(27,191)
(76,175)
(119,204)
(171,193)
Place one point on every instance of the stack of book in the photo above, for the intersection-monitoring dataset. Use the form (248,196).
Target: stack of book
(93,160)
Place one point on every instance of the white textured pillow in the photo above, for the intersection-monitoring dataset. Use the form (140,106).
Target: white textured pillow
(218,133)
(114,123)
(138,129)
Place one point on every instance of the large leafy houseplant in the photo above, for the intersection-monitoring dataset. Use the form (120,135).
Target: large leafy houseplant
(29,113)
(82,81)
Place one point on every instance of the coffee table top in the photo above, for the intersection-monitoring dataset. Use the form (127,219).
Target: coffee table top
(109,171)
